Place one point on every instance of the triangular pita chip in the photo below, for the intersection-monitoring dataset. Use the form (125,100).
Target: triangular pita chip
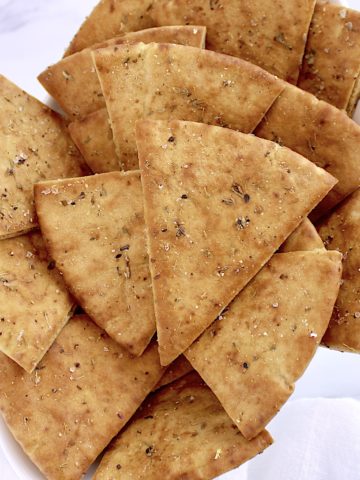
(34,146)
(253,354)
(94,138)
(304,238)
(199,86)
(94,230)
(181,432)
(73,81)
(331,63)
(218,204)
(35,304)
(179,368)
(85,390)
(341,231)
(320,132)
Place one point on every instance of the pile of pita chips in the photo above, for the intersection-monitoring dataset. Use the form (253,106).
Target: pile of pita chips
(200,86)
(303,239)
(181,431)
(331,65)
(341,231)
(268,335)
(218,204)
(34,146)
(35,304)
(85,390)
(320,132)
(105,264)
(73,81)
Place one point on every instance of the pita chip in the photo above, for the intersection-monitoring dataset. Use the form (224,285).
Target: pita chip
(253,354)
(341,231)
(331,64)
(94,138)
(305,238)
(34,145)
(181,431)
(73,81)
(178,369)
(85,390)
(94,230)
(35,304)
(218,204)
(319,132)
(200,86)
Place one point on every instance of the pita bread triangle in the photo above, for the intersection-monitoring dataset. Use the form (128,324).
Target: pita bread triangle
(73,81)
(203,442)
(200,86)
(84,391)
(263,342)
(218,204)
(304,238)
(340,231)
(94,230)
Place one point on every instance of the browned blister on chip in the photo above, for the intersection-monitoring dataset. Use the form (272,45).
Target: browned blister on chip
(319,132)
(34,146)
(94,229)
(181,432)
(304,238)
(35,304)
(341,231)
(331,64)
(80,396)
(218,204)
(252,355)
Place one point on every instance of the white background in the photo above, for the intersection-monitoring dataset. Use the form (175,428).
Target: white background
(34,34)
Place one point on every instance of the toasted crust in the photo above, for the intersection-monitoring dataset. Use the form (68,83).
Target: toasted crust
(341,231)
(304,238)
(178,369)
(320,132)
(181,432)
(34,145)
(218,204)
(252,356)
(94,229)
(84,392)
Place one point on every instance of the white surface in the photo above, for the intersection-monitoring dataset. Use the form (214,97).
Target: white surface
(34,34)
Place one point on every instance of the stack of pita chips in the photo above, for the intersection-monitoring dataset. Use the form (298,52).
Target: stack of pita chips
(205,286)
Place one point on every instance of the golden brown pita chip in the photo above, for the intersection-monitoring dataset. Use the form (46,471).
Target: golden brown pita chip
(253,354)
(84,392)
(320,132)
(94,138)
(34,146)
(218,204)
(304,238)
(94,229)
(331,64)
(341,231)
(181,432)
(200,86)
(73,81)
(35,304)
(179,368)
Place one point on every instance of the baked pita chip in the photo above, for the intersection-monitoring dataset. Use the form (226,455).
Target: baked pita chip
(94,230)
(331,64)
(35,304)
(304,238)
(320,132)
(200,86)
(178,369)
(253,354)
(85,390)
(109,19)
(73,81)
(34,146)
(218,204)
(94,138)
(183,432)
(341,231)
